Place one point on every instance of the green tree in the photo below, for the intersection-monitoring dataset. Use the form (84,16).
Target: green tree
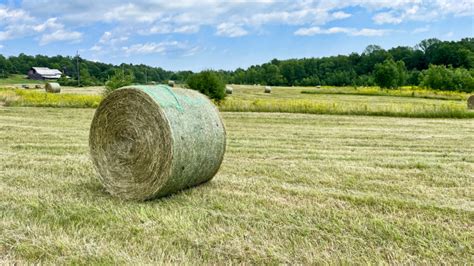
(438,78)
(209,83)
(118,80)
(387,74)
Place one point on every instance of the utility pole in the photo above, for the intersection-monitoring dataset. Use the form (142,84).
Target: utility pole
(78,70)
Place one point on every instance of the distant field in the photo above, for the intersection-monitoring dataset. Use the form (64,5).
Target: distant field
(339,101)
(293,189)
(345,101)
(15,80)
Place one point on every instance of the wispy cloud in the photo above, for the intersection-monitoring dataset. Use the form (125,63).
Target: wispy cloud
(59,36)
(335,30)
(230,30)
(157,48)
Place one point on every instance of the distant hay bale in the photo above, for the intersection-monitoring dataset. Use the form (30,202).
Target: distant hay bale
(150,141)
(268,89)
(37,86)
(52,87)
(171,83)
(318,87)
(25,86)
(470,102)
(229,89)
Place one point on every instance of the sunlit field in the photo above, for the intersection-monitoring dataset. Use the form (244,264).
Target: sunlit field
(293,188)
(408,102)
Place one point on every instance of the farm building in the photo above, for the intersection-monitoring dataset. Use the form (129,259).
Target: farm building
(42,73)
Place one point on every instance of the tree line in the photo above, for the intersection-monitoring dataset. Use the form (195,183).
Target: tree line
(391,68)
(423,65)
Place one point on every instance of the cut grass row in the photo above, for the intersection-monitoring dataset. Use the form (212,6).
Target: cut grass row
(413,92)
(444,110)
(285,100)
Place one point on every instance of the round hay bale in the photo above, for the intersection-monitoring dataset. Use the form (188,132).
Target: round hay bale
(52,87)
(228,89)
(171,83)
(37,86)
(151,141)
(268,89)
(470,102)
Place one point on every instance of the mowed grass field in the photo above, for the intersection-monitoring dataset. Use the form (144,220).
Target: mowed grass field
(407,102)
(349,101)
(293,188)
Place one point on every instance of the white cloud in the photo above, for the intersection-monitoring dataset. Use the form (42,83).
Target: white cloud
(96,48)
(113,38)
(155,48)
(421,30)
(334,30)
(424,11)
(60,35)
(19,23)
(369,32)
(230,30)
(167,28)
(1,46)
(8,15)
(387,17)
(50,23)
(124,19)
(340,15)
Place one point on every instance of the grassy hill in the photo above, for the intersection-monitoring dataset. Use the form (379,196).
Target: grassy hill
(17,80)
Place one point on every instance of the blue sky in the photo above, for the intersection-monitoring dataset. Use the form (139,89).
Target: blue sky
(203,34)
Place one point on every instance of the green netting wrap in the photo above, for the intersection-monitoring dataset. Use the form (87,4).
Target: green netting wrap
(151,141)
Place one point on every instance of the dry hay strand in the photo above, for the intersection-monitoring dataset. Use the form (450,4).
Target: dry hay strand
(151,141)
(171,83)
(470,102)
(229,90)
(52,87)
(268,89)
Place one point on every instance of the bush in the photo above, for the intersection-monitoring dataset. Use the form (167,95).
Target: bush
(208,83)
(118,80)
(390,74)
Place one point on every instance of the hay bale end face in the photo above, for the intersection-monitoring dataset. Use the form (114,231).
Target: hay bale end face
(470,102)
(52,87)
(171,83)
(228,90)
(268,89)
(151,141)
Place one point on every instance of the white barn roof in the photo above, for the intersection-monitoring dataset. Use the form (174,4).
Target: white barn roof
(47,72)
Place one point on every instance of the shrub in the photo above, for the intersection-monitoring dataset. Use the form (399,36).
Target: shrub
(438,78)
(118,80)
(390,74)
(208,83)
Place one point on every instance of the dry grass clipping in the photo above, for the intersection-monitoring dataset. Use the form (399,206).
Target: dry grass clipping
(151,141)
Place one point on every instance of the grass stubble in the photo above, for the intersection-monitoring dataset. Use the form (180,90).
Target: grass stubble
(293,188)
(337,101)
